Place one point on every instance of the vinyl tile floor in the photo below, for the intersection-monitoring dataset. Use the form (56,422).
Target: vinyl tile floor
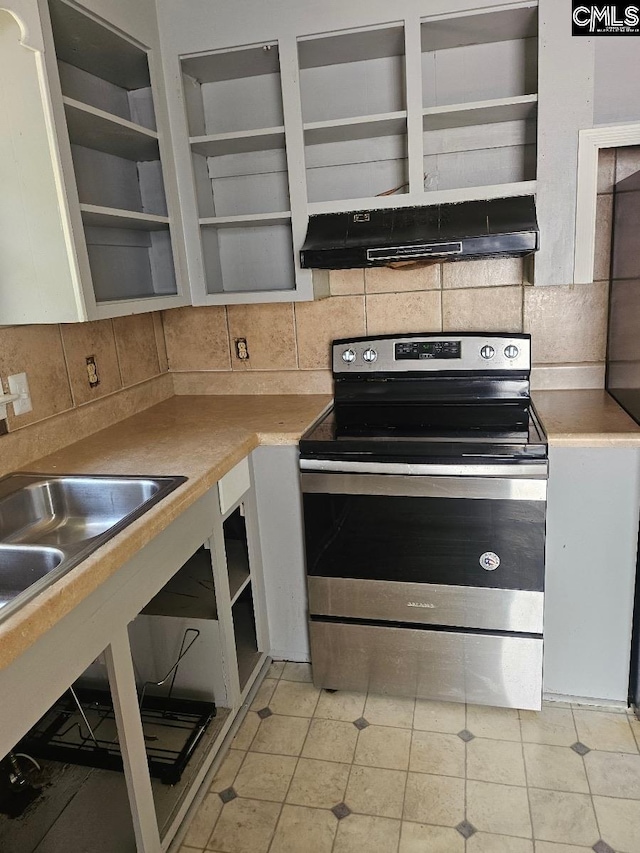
(316,772)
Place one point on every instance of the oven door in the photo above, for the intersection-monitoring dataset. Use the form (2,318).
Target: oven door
(438,549)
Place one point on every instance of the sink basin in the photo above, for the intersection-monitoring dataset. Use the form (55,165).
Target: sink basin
(69,510)
(21,566)
(50,523)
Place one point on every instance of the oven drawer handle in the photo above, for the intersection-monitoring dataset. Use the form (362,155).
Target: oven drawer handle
(470,488)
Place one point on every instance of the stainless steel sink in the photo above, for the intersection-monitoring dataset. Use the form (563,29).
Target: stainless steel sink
(50,523)
(24,565)
(68,510)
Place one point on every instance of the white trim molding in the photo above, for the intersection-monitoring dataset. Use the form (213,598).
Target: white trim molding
(590,142)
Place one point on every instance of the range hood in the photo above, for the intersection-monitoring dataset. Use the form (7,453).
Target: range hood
(497,227)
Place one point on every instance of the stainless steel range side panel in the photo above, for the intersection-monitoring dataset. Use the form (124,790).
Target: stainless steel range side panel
(484,669)
(428,604)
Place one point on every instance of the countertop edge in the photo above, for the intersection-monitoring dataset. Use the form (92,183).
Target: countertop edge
(584,418)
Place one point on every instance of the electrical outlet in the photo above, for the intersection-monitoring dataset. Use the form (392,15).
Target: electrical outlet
(92,371)
(242,350)
(18,385)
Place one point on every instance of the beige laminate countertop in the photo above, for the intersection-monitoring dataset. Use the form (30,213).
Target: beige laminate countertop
(585,419)
(198,437)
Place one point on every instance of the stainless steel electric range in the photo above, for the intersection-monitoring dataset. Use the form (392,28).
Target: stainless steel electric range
(424,493)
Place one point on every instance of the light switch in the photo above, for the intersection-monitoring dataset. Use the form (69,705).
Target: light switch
(18,385)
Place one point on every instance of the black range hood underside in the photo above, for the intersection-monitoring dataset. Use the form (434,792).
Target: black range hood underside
(501,227)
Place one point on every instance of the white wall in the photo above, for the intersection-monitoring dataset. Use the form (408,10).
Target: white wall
(617,80)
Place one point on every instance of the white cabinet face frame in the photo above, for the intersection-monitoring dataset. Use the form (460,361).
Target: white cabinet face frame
(68,292)
(590,142)
(108,248)
(239,108)
(247,506)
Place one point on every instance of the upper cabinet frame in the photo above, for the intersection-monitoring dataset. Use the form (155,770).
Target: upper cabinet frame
(241,176)
(99,244)
(437,104)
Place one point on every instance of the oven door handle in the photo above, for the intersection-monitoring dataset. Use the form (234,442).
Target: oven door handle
(528,470)
(470,488)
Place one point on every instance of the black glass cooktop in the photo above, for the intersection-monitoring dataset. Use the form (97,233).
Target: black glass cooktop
(472,432)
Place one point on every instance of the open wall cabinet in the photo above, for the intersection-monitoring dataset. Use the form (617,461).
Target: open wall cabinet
(90,229)
(429,108)
(244,177)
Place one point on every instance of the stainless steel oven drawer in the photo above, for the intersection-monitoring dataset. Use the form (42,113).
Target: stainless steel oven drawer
(480,668)
(427,603)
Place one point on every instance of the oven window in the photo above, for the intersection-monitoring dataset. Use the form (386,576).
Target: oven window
(426,540)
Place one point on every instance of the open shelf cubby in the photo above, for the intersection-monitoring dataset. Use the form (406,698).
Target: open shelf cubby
(232,91)
(244,626)
(349,74)
(181,623)
(354,111)
(479,85)
(94,128)
(236,548)
(235,120)
(480,155)
(357,168)
(108,102)
(244,257)
(189,593)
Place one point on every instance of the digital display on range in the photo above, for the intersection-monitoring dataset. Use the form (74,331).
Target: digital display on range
(418,350)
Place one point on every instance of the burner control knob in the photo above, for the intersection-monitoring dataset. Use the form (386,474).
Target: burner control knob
(348,356)
(511,351)
(487,351)
(370,355)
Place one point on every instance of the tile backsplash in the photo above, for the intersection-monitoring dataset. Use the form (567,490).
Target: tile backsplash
(128,351)
(567,323)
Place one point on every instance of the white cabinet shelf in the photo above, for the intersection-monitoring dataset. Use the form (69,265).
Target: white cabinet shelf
(361,127)
(95,128)
(263,139)
(109,217)
(517,108)
(247,220)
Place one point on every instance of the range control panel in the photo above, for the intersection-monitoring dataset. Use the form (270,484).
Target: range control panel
(433,352)
(416,350)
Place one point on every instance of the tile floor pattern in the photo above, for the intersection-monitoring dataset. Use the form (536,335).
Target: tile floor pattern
(316,772)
